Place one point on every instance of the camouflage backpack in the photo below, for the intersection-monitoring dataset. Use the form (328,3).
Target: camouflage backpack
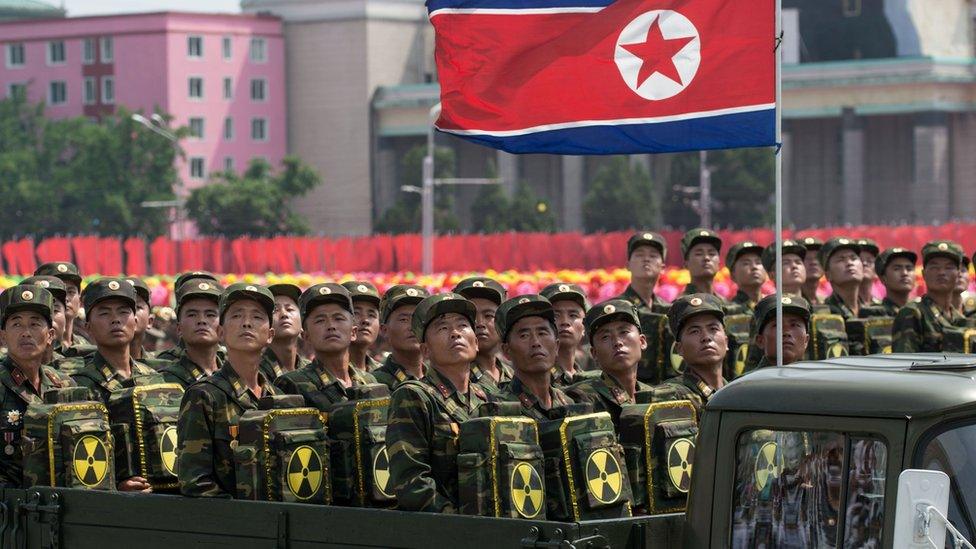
(68,442)
(144,426)
(282,453)
(658,361)
(869,336)
(357,440)
(959,340)
(828,337)
(659,447)
(737,330)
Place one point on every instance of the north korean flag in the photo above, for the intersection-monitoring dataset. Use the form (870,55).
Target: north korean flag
(607,77)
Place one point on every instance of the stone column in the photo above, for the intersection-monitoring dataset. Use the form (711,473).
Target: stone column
(508,170)
(572,191)
(930,188)
(852,168)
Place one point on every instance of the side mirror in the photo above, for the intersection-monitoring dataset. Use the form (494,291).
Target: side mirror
(921,508)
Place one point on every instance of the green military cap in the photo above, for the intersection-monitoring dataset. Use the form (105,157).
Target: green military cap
(520,307)
(691,305)
(884,258)
(242,290)
(647,239)
(789,247)
(834,245)
(440,304)
(766,310)
(561,291)
(287,290)
(483,287)
(401,294)
(64,270)
(942,248)
(739,249)
(142,290)
(108,288)
(811,243)
(25,297)
(869,245)
(699,235)
(324,293)
(363,290)
(199,288)
(609,311)
(52,284)
(183,278)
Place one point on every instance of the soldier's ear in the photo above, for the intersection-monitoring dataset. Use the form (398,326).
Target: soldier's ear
(354,334)
(50,335)
(424,351)
(221,333)
(271,333)
(505,350)
(643,342)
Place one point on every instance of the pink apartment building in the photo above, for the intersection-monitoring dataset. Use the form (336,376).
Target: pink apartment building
(223,76)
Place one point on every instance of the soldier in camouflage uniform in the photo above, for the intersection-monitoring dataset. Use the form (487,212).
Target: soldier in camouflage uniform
(793,270)
(569,308)
(68,273)
(744,261)
(920,326)
(969,304)
(869,254)
(143,318)
(962,284)
(796,323)
(396,315)
(841,260)
(700,249)
(197,317)
(527,327)
(490,369)
(646,253)
(616,342)
(896,269)
(366,308)
(211,408)
(328,320)
(181,280)
(425,415)
(26,326)
(814,270)
(284,354)
(56,286)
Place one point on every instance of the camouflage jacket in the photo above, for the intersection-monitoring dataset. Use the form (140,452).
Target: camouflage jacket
(691,289)
(563,380)
(740,304)
(657,304)
(605,394)
(319,388)
(516,392)
(15,394)
(391,373)
(653,366)
(484,379)
(207,432)
(920,327)
(173,353)
(102,380)
(838,307)
(889,307)
(185,372)
(422,437)
(372,364)
(688,386)
(271,367)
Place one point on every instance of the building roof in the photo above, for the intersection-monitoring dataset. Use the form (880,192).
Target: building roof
(28,9)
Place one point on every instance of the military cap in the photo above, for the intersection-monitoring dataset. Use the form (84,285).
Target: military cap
(142,290)
(609,311)
(811,243)
(483,287)
(64,270)
(789,247)
(561,291)
(691,305)
(108,288)
(25,297)
(324,293)
(199,288)
(834,245)
(52,284)
(868,245)
(647,239)
(363,290)
(697,236)
(739,249)
(766,310)
(401,294)
(242,290)
(520,307)
(884,258)
(942,248)
(440,304)
(287,290)
(183,278)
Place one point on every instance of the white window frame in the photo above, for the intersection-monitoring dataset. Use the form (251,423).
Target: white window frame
(264,90)
(228,88)
(106,44)
(12,85)
(189,88)
(263,58)
(228,125)
(50,93)
(8,55)
(198,136)
(228,163)
(88,51)
(266,130)
(189,49)
(87,99)
(203,167)
(108,81)
(227,48)
(50,53)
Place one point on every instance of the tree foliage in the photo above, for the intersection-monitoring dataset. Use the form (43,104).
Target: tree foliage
(405,215)
(621,197)
(493,211)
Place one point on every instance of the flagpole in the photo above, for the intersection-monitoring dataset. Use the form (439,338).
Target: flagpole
(779,181)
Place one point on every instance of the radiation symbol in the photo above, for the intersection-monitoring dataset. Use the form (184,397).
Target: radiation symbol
(381,471)
(527,494)
(769,464)
(740,359)
(886,350)
(681,454)
(836,350)
(603,478)
(90,460)
(167,450)
(304,472)
(677,363)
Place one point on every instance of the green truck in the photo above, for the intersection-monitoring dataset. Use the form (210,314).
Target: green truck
(875,451)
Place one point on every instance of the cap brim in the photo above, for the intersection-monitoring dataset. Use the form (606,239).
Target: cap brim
(287,290)
(322,299)
(644,242)
(367,297)
(20,307)
(400,301)
(568,296)
(485,292)
(532,309)
(946,254)
(98,300)
(237,295)
(713,240)
(462,307)
(719,314)
(607,319)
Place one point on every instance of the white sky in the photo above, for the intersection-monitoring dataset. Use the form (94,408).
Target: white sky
(102,7)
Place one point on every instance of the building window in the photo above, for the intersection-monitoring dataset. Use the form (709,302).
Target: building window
(194,46)
(196,87)
(58,93)
(226,47)
(108,90)
(259,89)
(196,167)
(229,128)
(228,88)
(90,94)
(88,51)
(229,164)
(196,128)
(55,52)
(17,91)
(259,129)
(259,50)
(107,49)
(15,55)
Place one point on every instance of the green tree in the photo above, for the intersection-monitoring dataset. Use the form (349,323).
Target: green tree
(620,197)
(493,211)
(405,215)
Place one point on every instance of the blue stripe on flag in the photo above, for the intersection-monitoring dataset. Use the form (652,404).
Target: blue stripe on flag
(433,5)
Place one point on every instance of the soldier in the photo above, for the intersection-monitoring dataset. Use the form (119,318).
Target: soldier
(896,269)
(396,313)
(56,286)
(793,269)
(744,261)
(962,284)
(646,253)
(26,327)
(143,318)
(527,327)
(174,353)
(920,326)
(700,249)
(840,258)
(284,354)
(68,273)
(569,308)
(814,270)
(425,415)
(969,304)
(197,317)
(212,408)
(616,342)
(796,321)
(328,320)
(869,254)
(366,309)
(489,370)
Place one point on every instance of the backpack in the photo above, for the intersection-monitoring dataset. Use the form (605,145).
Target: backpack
(737,330)
(144,426)
(658,362)
(359,458)
(869,336)
(959,340)
(828,337)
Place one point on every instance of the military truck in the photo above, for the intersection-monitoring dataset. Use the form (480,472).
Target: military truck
(874,451)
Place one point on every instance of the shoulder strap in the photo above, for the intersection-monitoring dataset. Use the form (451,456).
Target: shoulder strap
(449,407)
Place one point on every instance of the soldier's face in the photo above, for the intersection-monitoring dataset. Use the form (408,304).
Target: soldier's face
(645,262)
(246,327)
(288,319)
(962,283)
(867,259)
(484,325)
(367,318)
(941,275)
(845,267)
(27,336)
(198,323)
(795,338)
(814,270)
(450,341)
(703,341)
(899,275)
(794,272)
(617,346)
(569,323)
(398,332)
(532,345)
(73,300)
(142,316)
(329,328)
(702,260)
(748,272)
(111,323)
(57,320)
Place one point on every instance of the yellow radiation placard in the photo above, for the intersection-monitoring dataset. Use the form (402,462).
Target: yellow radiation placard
(604,480)
(677,363)
(769,464)
(167,450)
(741,354)
(681,454)
(304,472)
(836,350)
(381,472)
(90,460)
(528,495)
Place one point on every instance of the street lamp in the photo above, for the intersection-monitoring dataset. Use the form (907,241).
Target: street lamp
(157,126)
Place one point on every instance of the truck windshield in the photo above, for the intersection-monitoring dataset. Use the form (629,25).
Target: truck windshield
(808,489)
(954,453)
